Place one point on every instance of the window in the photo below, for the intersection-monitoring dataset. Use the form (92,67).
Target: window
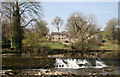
(59,65)
(58,38)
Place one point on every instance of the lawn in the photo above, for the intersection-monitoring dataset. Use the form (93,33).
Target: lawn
(110,47)
(53,45)
(103,34)
(62,46)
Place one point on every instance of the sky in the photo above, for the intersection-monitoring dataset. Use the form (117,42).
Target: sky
(103,11)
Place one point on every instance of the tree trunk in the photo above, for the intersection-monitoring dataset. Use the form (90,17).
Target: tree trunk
(17,29)
(58,29)
(82,47)
(11,26)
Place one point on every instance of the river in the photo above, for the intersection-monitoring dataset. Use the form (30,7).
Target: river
(77,66)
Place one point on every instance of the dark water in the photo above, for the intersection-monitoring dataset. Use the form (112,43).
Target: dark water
(110,64)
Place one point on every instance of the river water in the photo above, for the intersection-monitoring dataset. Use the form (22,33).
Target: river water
(82,66)
(87,66)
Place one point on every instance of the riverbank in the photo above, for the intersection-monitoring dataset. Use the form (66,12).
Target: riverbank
(50,73)
(67,53)
(40,73)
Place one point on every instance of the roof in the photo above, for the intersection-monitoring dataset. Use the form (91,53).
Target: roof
(58,33)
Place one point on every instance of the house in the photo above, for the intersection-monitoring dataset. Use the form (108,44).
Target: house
(59,36)
(63,36)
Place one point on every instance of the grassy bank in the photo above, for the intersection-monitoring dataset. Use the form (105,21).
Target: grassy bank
(109,47)
(53,45)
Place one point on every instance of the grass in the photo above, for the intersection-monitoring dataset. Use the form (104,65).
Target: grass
(109,47)
(53,45)
(103,33)
(5,50)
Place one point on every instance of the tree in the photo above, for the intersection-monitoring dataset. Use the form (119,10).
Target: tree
(111,29)
(19,13)
(34,36)
(57,22)
(7,16)
(31,38)
(6,30)
(42,28)
(80,29)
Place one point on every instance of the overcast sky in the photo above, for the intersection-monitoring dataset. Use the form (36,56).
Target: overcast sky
(103,11)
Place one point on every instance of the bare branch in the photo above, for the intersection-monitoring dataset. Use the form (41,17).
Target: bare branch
(30,22)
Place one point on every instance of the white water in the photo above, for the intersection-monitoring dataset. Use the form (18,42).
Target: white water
(100,64)
(77,63)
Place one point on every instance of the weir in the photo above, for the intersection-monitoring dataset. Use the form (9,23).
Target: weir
(79,63)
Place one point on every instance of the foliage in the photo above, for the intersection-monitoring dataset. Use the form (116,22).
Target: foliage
(5,45)
(16,13)
(41,28)
(111,29)
(80,29)
(31,43)
(115,42)
(34,36)
(6,30)
(83,46)
(57,22)
(44,49)
(31,39)
(103,33)
(66,41)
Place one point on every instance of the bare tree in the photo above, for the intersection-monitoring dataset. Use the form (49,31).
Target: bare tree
(111,29)
(20,14)
(80,28)
(57,22)
(6,30)
(41,28)
(28,11)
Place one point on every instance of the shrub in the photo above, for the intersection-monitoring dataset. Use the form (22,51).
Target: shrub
(44,49)
(104,41)
(66,41)
(80,46)
(114,41)
(66,45)
(6,45)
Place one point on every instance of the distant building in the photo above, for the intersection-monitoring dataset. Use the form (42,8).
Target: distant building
(63,36)
(59,36)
